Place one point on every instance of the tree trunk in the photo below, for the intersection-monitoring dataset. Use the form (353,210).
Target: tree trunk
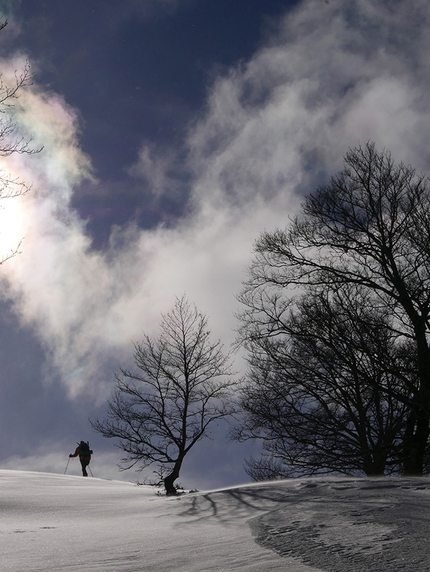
(374,464)
(418,426)
(415,444)
(171,478)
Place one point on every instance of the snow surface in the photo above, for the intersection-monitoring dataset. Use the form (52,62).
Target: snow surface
(60,523)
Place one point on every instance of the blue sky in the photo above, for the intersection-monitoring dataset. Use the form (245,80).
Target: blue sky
(174,133)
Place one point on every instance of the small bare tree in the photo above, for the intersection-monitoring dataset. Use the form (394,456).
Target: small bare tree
(183,386)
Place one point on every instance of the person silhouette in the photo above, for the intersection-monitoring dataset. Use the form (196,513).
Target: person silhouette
(84,452)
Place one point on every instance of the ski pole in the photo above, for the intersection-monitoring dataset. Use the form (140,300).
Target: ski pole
(89,468)
(65,471)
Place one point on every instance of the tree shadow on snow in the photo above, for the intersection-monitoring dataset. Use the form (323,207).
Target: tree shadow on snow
(240,503)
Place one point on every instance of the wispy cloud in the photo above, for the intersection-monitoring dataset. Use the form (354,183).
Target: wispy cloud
(332,75)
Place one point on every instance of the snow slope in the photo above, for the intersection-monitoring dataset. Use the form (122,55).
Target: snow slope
(62,523)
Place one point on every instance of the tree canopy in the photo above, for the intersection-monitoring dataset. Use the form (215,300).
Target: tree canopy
(182,386)
(361,245)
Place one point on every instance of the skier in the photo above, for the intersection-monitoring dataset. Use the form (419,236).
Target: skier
(84,452)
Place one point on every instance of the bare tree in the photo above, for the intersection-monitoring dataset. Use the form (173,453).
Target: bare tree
(370,225)
(327,388)
(10,141)
(183,386)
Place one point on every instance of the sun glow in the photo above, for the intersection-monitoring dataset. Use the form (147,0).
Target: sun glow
(12,224)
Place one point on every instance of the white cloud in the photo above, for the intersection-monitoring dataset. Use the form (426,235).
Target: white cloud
(332,76)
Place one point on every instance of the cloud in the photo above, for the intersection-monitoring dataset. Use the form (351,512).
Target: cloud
(333,75)
(330,76)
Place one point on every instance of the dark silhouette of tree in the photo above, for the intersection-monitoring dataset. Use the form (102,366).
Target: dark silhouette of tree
(369,226)
(327,388)
(182,386)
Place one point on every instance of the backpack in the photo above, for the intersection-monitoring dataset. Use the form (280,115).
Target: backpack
(84,449)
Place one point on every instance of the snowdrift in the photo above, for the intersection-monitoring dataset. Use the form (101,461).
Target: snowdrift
(64,523)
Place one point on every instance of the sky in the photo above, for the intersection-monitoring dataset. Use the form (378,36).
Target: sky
(174,134)
(308,525)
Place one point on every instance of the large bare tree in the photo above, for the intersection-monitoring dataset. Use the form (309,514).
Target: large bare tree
(369,226)
(182,386)
(328,389)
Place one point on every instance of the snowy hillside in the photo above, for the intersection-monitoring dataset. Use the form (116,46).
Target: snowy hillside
(61,523)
